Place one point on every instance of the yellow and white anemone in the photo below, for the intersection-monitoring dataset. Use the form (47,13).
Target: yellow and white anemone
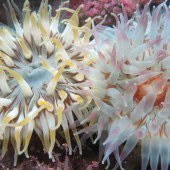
(39,73)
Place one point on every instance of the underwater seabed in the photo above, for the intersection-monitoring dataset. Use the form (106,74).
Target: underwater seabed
(38,159)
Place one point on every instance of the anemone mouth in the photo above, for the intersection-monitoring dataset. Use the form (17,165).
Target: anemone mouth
(144,88)
(36,75)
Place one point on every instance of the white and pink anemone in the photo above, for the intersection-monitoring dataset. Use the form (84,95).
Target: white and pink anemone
(130,86)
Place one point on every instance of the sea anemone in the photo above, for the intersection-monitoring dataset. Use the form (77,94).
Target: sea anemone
(132,91)
(39,72)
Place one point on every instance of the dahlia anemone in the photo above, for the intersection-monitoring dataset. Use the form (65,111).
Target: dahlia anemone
(38,73)
(132,93)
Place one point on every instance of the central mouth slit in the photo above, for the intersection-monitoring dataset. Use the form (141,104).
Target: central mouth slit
(34,67)
(36,75)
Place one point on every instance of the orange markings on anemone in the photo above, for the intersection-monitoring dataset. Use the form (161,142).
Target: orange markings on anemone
(144,88)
